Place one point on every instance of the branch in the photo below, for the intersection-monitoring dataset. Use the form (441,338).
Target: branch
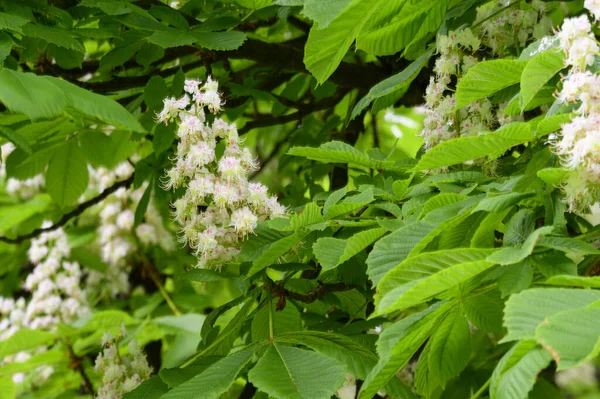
(315,294)
(70,215)
(77,365)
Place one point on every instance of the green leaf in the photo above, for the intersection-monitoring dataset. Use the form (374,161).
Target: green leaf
(41,359)
(359,359)
(510,255)
(97,106)
(449,352)
(350,204)
(215,380)
(519,227)
(553,263)
(12,22)
(392,84)
(462,149)
(397,344)
(553,176)
(334,152)
(13,215)
(25,339)
(325,48)
(515,278)
(517,381)
(254,4)
(552,124)
(142,206)
(423,276)
(324,12)
(154,93)
(97,147)
(16,138)
(331,252)
(285,320)
(153,387)
(30,94)
(572,336)
(275,251)
(538,71)
(569,245)
(526,310)
(394,248)
(286,372)
(484,310)
(6,44)
(574,281)
(57,36)
(487,78)
(398,29)
(67,174)
(501,202)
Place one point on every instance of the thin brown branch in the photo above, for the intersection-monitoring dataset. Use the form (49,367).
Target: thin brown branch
(317,293)
(76,363)
(70,215)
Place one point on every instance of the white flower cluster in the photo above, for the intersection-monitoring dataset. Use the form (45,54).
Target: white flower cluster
(56,294)
(120,374)
(21,188)
(232,205)
(116,229)
(497,31)
(513,27)
(578,144)
(442,122)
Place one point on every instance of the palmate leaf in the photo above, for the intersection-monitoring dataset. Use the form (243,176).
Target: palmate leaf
(571,336)
(420,277)
(215,380)
(398,343)
(334,152)
(487,78)
(325,48)
(172,37)
(525,311)
(67,174)
(331,252)
(462,149)
(484,310)
(552,124)
(287,372)
(574,281)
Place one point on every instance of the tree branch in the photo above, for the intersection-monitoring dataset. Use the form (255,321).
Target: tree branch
(317,293)
(70,215)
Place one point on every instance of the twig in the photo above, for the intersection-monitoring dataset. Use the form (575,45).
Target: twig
(77,365)
(70,215)
(317,293)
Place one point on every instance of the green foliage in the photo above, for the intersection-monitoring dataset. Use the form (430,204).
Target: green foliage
(456,271)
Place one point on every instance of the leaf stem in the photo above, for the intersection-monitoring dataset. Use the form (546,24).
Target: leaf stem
(271,333)
(482,389)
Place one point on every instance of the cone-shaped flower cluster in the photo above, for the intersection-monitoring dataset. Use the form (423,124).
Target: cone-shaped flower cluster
(220,206)
(120,374)
(578,144)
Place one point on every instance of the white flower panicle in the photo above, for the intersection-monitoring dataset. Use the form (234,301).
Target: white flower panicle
(56,296)
(120,373)
(578,143)
(220,206)
(457,51)
(115,228)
